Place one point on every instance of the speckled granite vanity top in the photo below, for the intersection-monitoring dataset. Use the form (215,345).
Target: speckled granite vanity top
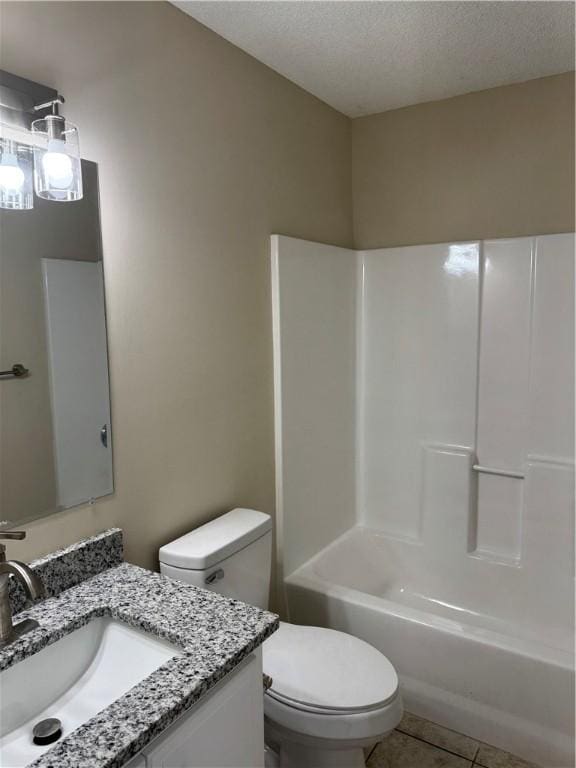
(215,634)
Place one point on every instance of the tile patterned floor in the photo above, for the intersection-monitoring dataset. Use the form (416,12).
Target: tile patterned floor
(418,743)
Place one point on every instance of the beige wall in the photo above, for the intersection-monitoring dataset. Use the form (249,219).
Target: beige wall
(203,152)
(496,163)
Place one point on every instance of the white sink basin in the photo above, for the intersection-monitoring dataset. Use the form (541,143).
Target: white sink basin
(72,680)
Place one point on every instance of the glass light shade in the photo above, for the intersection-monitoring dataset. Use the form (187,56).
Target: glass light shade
(57,168)
(16,161)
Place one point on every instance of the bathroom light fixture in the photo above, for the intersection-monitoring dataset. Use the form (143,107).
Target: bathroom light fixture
(57,169)
(16,191)
(38,147)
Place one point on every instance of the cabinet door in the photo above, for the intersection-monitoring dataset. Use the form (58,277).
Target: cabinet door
(224,730)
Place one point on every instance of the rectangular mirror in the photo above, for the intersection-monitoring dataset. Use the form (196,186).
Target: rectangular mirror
(55,429)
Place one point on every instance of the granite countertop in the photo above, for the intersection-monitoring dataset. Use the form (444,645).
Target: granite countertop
(214,632)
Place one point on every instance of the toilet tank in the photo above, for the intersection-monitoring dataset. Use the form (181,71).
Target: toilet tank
(231,555)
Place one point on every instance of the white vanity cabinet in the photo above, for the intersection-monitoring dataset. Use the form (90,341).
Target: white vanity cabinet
(225,729)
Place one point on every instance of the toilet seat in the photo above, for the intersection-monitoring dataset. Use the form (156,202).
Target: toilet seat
(328,683)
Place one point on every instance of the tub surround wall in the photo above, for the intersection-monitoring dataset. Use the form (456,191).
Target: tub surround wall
(526,399)
(503,394)
(417,378)
(467,357)
(314,308)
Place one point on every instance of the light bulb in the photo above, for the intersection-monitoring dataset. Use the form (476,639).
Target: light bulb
(11,175)
(57,166)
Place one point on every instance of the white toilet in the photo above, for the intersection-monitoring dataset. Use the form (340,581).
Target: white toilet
(332,694)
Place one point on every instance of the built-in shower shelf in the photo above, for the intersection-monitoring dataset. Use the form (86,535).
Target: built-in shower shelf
(496,471)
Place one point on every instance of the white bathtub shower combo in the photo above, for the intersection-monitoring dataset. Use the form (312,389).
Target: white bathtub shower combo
(425,471)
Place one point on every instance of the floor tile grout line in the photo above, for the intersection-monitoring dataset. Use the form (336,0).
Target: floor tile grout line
(369,755)
(431,744)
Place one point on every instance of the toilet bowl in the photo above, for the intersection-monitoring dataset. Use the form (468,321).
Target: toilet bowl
(332,695)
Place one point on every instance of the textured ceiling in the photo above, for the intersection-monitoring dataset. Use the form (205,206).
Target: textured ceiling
(366,57)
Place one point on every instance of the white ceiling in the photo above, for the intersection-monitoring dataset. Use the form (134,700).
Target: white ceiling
(367,57)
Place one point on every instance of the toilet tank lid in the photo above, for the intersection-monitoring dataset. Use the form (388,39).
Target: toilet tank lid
(215,541)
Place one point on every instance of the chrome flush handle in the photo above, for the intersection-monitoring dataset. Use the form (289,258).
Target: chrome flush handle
(215,576)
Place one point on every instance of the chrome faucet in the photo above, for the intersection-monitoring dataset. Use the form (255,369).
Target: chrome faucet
(32,586)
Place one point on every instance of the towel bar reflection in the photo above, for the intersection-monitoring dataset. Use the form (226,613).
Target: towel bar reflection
(18,371)
(495,471)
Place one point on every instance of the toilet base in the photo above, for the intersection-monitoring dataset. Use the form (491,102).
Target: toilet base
(286,749)
(271,757)
(302,756)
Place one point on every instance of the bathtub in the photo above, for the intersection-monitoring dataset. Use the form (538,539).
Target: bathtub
(475,650)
